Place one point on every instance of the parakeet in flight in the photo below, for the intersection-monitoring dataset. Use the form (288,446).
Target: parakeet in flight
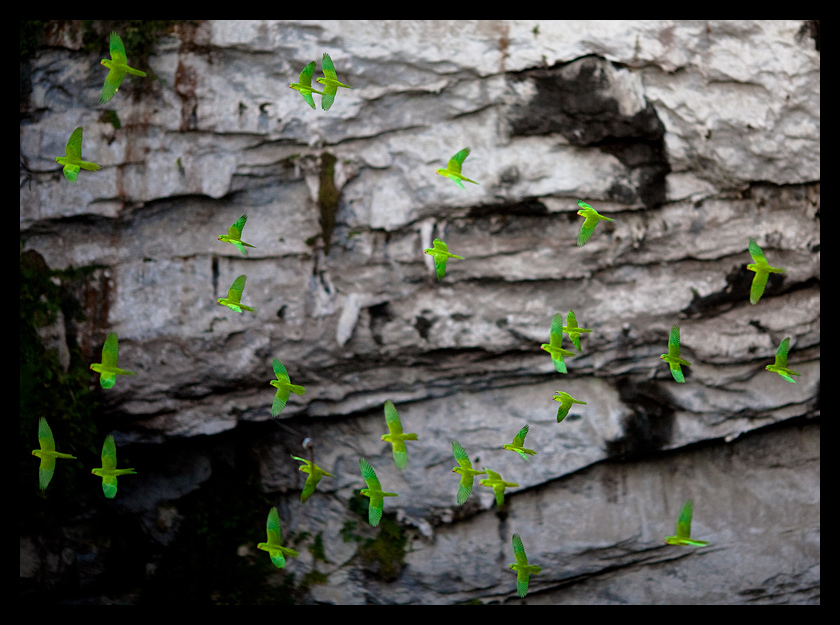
(47,453)
(395,435)
(592,218)
(683,536)
(278,552)
(453,168)
(234,298)
(518,444)
(234,235)
(109,471)
(467,472)
(762,271)
(522,568)
(315,475)
(330,82)
(495,481)
(571,328)
(118,66)
(107,369)
(440,253)
(72,160)
(304,86)
(566,402)
(374,491)
(673,356)
(284,387)
(555,344)
(780,366)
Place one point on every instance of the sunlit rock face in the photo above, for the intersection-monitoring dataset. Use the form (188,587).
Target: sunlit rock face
(693,136)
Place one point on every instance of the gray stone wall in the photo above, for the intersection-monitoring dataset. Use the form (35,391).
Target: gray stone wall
(693,136)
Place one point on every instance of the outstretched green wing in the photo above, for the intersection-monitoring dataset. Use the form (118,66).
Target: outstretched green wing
(461,455)
(109,454)
(392,418)
(674,342)
(306,75)
(519,550)
(280,399)
(328,67)
(109,350)
(519,439)
(47,443)
(684,522)
(74,144)
(279,369)
(782,353)
(236,229)
(757,254)
(309,487)
(456,161)
(272,527)
(45,435)
(118,49)
(235,291)
(556,332)
(370,476)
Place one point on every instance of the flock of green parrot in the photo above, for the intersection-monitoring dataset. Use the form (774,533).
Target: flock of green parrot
(109,371)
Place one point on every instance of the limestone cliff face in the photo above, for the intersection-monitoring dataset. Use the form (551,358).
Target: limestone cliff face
(693,136)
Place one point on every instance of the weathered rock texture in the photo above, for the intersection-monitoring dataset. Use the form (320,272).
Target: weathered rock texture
(693,136)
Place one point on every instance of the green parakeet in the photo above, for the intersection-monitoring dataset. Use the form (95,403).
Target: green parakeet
(234,235)
(440,253)
(453,168)
(555,344)
(466,471)
(395,435)
(673,356)
(315,474)
(234,298)
(762,271)
(109,471)
(284,388)
(304,85)
(107,369)
(518,444)
(118,66)
(571,328)
(780,366)
(495,481)
(566,402)
(683,536)
(522,568)
(47,453)
(374,491)
(72,160)
(330,82)
(592,218)
(272,545)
